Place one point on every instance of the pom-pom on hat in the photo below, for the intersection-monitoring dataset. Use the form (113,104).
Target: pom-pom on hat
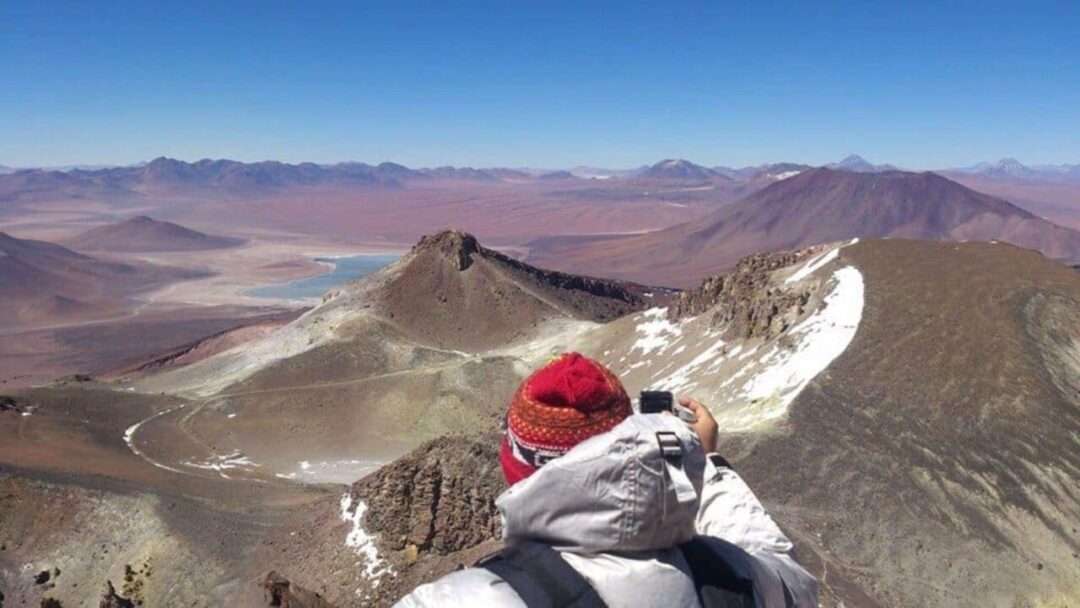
(562,404)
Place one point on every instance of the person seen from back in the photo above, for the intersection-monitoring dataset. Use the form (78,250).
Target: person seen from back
(611,508)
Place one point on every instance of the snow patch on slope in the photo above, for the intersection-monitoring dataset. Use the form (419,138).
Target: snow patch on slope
(655,332)
(818,340)
(129,439)
(332,471)
(681,379)
(223,462)
(814,264)
(362,543)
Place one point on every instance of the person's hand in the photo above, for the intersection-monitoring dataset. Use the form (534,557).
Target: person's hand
(705,427)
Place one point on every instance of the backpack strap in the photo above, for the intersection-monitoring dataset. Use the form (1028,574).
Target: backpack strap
(542,578)
(719,582)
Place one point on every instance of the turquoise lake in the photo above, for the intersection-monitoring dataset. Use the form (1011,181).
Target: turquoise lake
(345,269)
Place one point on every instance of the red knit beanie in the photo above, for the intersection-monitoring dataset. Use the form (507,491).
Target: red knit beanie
(560,405)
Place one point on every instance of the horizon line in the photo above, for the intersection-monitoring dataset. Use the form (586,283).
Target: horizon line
(90,166)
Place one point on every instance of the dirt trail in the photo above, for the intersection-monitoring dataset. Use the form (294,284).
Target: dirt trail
(320,385)
(129,438)
(165,423)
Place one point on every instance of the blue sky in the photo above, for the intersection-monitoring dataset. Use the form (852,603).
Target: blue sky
(545,84)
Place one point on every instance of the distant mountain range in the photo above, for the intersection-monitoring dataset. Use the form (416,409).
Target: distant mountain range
(6,169)
(165,175)
(1010,168)
(816,206)
(771,171)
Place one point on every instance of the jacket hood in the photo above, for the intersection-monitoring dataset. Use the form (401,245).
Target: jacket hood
(634,488)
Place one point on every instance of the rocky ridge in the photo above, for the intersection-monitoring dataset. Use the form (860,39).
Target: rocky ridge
(281,593)
(745,300)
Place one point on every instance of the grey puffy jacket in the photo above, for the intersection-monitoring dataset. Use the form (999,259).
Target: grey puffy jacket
(616,509)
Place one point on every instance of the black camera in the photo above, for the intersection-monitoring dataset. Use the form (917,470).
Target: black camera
(655,402)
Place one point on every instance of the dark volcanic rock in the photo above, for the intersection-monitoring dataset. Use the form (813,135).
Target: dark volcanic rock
(743,298)
(439,499)
(8,404)
(433,511)
(111,600)
(430,512)
(281,593)
(454,244)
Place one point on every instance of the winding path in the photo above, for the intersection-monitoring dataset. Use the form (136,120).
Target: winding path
(129,439)
(130,433)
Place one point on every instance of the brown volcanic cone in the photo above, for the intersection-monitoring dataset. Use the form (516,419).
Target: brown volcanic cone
(143,234)
(817,206)
(451,292)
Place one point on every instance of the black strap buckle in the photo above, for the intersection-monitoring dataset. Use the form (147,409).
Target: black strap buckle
(670,447)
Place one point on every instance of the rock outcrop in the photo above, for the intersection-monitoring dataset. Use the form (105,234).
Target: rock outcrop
(745,300)
(281,593)
(110,599)
(453,244)
(431,512)
(439,499)
(9,404)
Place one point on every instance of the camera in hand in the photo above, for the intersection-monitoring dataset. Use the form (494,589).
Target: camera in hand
(655,402)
